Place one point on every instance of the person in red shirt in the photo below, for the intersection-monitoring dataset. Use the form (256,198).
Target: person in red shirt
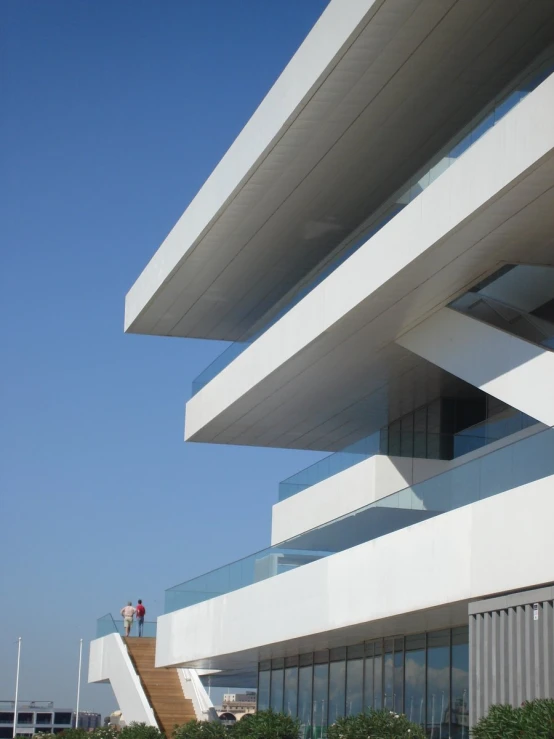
(140,613)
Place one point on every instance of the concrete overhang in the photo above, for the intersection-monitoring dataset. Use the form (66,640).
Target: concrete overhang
(376,89)
(329,372)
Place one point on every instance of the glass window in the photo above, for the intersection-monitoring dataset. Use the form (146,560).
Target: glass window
(438,684)
(354,685)
(459,714)
(291,691)
(263,690)
(305,700)
(368,676)
(276,697)
(63,718)
(321,690)
(378,677)
(388,676)
(6,717)
(337,690)
(414,683)
(44,718)
(24,718)
(398,698)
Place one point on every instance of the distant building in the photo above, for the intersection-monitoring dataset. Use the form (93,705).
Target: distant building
(88,720)
(34,717)
(238,704)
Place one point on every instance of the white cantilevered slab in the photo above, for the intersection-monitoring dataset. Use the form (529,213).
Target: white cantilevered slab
(376,89)
(330,367)
(418,578)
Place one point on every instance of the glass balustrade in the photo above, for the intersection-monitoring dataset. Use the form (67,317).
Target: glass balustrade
(422,445)
(502,469)
(494,113)
(108,625)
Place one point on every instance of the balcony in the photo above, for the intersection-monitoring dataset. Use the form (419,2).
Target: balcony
(513,465)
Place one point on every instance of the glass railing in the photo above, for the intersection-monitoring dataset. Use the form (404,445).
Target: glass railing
(108,625)
(515,464)
(507,318)
(494,113)
(418,445)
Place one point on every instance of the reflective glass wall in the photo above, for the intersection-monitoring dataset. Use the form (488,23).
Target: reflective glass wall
(425,676)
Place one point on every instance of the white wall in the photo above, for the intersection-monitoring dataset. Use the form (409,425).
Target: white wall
(502,157)
(500,543)
(347,491)
(109,661)
(509,368)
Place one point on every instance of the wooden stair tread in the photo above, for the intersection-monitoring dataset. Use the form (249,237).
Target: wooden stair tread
(161,685)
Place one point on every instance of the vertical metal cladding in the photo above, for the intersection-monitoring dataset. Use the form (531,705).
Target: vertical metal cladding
(511,650)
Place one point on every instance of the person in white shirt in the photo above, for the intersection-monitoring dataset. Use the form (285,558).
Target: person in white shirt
(128,613)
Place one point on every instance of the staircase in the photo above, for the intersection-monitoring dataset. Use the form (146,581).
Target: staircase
(161,685)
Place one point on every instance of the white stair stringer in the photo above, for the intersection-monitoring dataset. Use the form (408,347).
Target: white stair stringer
(197,693)
(109,661)
(511,369)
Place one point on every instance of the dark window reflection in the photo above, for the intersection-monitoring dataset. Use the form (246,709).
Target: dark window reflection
(414,684)
(291,691)
(337,685)
(438,685)
(378,678)
(276,700)
(388,679)
(398,699)
(459,715)
(321,687)
(263,690)
(354,683)
(305,701)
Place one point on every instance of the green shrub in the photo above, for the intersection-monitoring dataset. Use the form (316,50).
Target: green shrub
(200,730)
(75,734)
(266,725)
(139,731)
(104,732)
(533,720)
(375,725)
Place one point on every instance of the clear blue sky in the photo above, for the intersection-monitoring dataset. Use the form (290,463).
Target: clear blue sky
(113,115)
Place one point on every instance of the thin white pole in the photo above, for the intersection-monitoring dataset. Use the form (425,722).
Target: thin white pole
(16,687)
(79,684)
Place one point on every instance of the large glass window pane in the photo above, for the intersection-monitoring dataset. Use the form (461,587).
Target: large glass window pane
(263,690)
(398,698)
(414,670)
(378,678)
(459,714)
(368,677)
(337,690)
(321,690)
(438,684)
(276,700)
(354,685)
(388,677)
(305,701)
(291,691)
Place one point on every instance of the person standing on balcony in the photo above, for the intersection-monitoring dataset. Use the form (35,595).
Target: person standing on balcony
(128,612)
(140,614)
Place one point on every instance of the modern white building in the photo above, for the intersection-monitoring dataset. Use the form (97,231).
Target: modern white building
(378,248)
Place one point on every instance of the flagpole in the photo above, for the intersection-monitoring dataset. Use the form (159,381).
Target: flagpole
(16,687)
(79,684)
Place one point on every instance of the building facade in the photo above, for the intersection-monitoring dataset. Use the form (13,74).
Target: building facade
(377,248)
(34,717)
